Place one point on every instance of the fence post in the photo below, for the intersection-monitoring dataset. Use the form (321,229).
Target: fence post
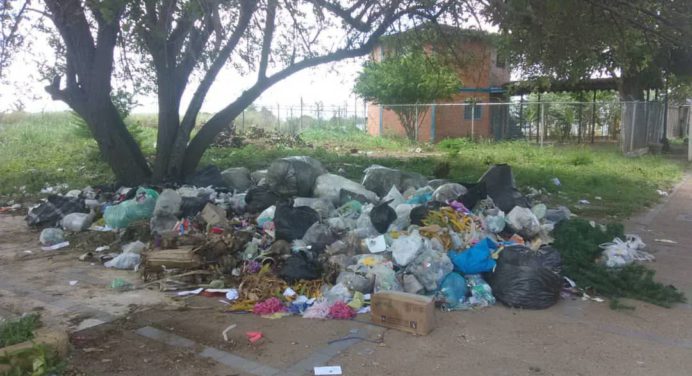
(416,125)
(633,124)
(473,117)
(689,123)
(300,121)
(243,120)
(432,123)
(380,126)
(521,115)
(541,125)
(593,118)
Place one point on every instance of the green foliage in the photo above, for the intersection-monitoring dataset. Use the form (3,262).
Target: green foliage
(409,78)
(39,360)
(572,39)
(578,244)
(20,330)
(41,149)
(625,185)
(402,80)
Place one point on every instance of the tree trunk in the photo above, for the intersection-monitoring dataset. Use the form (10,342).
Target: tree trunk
(630,87)
(117,146)
(168,125)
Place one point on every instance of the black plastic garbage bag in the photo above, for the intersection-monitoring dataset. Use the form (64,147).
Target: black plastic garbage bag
(499,184)
(208,176)
(319,236)
(475,193)
(292,223)
(298,267)
(294,176)
(191,206)
(527,279)
(54,209)
(260,198)
(419,213)
(382,216)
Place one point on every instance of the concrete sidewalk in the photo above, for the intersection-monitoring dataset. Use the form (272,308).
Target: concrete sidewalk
(670,220)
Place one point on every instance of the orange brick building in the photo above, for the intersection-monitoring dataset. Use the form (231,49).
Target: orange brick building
(482,74)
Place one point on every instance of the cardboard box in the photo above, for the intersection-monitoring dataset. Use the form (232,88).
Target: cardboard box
(403,311)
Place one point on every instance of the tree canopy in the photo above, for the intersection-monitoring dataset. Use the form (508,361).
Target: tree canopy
(406,79)
(107,50)
(639,41)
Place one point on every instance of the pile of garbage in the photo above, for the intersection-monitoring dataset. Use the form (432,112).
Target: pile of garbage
(296,239)
(259,137)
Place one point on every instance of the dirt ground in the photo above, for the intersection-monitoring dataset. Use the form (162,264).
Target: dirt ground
(144,332)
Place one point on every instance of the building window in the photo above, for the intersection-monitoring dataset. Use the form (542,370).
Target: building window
(476,109)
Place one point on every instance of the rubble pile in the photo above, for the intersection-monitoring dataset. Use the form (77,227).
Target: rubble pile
(296,239)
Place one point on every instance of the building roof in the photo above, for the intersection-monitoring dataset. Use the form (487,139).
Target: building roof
(432,32)
(546,85)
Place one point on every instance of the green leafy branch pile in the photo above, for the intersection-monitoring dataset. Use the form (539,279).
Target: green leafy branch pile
(578,241)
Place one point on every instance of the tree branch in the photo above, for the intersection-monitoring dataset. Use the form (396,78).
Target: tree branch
(267,40)
(190,117)
(222,118)
(344,14)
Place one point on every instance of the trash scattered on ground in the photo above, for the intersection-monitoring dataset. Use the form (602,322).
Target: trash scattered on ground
(295,239)
(327,370)
(666,241)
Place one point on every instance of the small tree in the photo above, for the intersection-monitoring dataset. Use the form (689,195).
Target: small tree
(401,81)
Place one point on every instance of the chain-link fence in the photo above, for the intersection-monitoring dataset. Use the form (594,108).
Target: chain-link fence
(294,119)
(634,125)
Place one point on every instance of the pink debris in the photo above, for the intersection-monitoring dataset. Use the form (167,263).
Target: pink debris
(269,306)
(341,311)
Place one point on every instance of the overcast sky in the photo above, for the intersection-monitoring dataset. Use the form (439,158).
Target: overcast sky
(329,84)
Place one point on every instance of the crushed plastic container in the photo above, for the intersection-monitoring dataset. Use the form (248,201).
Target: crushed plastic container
(51,236)
(406,247)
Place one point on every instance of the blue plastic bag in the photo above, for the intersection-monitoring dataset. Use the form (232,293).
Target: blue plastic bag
(420,198)
(476,259)
(453,290)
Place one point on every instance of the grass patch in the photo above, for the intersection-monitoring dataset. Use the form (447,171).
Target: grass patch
(353,138)
(46,149)
(624,185)
(18,331)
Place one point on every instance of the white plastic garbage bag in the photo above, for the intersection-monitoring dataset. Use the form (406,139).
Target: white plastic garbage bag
(524,222)
(448,192)
(329,186)
(406,247)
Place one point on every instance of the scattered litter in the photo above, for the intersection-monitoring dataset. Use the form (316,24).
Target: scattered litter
(120,284)
(662,193)
(327,370)
(228,329)
(667,241)
(556,182)
(584,202)
(253,337)
(73,283)
(190,292)
(57,246)
(232,294)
